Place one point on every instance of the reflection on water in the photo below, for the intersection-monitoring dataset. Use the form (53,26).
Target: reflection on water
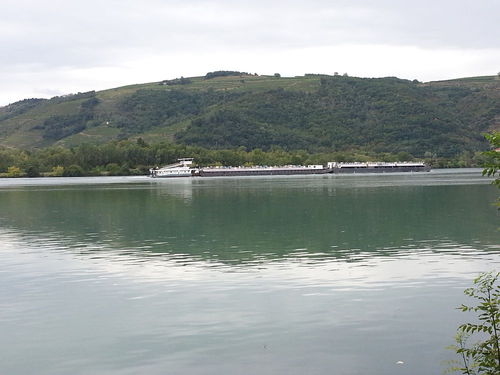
(286,275)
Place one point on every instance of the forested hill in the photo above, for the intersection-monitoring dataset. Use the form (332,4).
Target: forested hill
(316,113)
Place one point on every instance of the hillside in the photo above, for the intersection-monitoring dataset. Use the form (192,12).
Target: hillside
(312,112)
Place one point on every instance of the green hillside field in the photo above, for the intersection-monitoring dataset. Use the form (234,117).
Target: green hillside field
(228,110)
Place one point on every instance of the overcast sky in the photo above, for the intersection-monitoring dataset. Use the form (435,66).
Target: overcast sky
(55,47)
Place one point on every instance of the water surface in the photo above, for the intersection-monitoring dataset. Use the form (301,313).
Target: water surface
(251,275)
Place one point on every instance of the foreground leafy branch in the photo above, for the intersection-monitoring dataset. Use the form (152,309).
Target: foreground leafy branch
(483,356)
(492,164)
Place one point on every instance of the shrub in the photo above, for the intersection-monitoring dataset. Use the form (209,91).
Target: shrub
(14,171)
(57,171)
(482,357)
(73,170)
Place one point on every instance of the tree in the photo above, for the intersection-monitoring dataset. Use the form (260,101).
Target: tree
(277,75)
(57,171)
(32,171)
(492,164)
(404,156)
(141,143)
(14,171)
(73,170)
(483,357)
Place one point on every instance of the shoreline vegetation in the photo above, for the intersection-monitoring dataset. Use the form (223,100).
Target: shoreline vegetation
(135,157)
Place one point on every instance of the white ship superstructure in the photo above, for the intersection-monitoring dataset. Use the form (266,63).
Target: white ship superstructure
(180,169)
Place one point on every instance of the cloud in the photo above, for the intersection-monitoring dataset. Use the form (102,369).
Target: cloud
(51,43)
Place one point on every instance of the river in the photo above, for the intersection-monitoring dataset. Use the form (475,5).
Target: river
(346,274)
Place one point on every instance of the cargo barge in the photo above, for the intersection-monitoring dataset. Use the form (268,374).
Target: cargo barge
(377,167)
(184,169)
(261,171)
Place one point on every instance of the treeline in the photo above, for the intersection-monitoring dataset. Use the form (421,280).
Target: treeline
(135,157)
(19,108)
(225,73)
